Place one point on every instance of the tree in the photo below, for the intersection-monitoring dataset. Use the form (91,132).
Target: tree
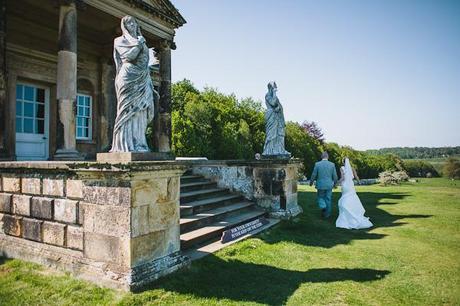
(313,130)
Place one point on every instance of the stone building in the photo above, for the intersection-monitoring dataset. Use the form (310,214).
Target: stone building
(57,96)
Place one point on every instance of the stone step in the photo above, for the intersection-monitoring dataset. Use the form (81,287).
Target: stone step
(189,223)
(191,178)
(209,247)
(216,229)
(190,196)
(198,206)
(186,187)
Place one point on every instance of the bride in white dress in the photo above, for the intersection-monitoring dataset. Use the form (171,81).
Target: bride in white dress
(351,211)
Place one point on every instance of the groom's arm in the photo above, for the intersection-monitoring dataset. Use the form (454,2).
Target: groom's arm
(314,175)
(334,176)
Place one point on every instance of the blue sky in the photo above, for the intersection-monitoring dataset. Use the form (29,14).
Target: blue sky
(371,73)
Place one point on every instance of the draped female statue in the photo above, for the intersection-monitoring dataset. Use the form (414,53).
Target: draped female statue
(274,125)
(134,89)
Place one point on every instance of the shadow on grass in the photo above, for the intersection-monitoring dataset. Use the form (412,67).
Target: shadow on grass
(235,280)
(310,229)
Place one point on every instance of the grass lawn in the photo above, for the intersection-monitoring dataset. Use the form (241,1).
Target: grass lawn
(410,257)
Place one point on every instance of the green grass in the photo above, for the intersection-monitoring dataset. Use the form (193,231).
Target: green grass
(410,257)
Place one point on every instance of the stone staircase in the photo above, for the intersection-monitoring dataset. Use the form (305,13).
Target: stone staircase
(206,211)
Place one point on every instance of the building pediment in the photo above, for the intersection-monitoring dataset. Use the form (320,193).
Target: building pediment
(163,9)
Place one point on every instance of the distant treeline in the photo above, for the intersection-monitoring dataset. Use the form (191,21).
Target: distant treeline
(218,126)
(418,152)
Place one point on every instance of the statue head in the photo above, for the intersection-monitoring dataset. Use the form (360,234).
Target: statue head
(272,86)
(129,26)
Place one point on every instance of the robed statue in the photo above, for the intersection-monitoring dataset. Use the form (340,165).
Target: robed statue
(275,125)
(134,89)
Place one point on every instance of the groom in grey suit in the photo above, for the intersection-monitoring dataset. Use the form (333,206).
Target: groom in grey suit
(326,177)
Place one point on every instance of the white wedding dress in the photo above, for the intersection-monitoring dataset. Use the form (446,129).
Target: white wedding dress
(351,211)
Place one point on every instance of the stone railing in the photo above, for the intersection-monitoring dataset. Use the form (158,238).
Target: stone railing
(117,225)
(271,183)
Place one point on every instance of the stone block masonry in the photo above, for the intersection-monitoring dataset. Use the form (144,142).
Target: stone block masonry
(116,225)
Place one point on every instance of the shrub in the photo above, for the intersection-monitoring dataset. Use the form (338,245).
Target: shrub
(393,177)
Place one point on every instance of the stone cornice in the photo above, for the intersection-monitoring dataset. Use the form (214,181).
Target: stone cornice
(163,9)
(121,8)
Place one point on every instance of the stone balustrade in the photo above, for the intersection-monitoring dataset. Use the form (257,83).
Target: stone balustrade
(271,183)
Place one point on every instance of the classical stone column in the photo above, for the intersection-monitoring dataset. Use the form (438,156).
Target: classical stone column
(3,77)
(163,133)
(67,81)
(109,104)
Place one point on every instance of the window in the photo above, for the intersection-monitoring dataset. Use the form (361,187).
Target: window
(84,121)
(30,109)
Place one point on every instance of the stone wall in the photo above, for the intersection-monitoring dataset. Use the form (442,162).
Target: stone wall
(271,183)
(117,225)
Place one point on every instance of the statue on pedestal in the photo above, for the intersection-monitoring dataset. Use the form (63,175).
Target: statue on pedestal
(134,88)
(274,126)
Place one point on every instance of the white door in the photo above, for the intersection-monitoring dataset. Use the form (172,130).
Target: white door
(32,122)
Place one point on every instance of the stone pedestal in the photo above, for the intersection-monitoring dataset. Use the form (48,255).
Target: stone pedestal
(116,225)
(275,188)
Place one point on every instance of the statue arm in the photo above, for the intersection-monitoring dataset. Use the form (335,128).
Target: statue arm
(132,54)
(273,102)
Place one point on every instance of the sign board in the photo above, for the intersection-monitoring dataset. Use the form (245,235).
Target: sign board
(243,229)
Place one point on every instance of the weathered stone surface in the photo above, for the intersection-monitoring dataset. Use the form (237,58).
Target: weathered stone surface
(107,220)
(149,191)
(107,248)
(81,214)
(148,247)
(54,233)
(75,237)
(118,196)
(11,184)
(42,208)
(237,178)
(65,210)
(53,187)
(12,225)
(74,189)
(140,220)
(163,215)
(173,188)
(1,222)
(32,229)
(30,185)
(152,218)
(5,202)
(21,204)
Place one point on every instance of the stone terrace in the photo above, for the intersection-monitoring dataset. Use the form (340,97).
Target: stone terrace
(119,224)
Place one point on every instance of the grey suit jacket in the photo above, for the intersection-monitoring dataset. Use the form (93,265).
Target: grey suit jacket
(325,175)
